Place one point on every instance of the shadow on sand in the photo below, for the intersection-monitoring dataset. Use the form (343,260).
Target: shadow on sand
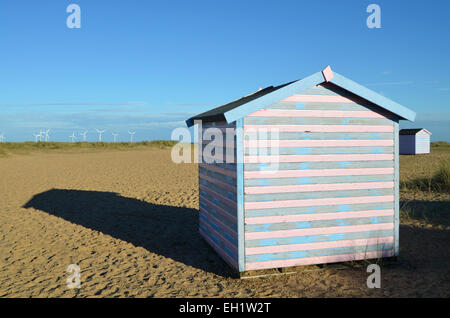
(165,230)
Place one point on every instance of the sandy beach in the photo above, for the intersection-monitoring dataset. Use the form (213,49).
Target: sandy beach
(129,220)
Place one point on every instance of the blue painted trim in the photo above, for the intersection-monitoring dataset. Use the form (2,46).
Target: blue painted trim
(240,192)
(373,97)
(396,189)
(271,98)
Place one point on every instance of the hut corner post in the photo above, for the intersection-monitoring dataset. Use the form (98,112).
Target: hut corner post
(240,192)
(397,188)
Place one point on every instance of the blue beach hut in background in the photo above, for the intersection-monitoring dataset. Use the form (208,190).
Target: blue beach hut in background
(414,141)
(334,194)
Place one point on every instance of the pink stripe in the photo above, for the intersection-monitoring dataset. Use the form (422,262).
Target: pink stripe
(316,246)
(316,173)
(219,223)
(317,143)
(319,128)
(225,172)
(318,99)
(315,113)
(219,236)
(219,250)
(318,231)
(317,158)
(218,209)
(319,187)
(316,216)
(317,202)
(220,197)
(220,184)
(317,260)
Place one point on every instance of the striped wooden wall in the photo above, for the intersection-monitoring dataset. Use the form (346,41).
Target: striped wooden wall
(333,195)
(218,196)
(422,142)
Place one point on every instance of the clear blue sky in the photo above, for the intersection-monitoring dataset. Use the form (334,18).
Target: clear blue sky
(148,65)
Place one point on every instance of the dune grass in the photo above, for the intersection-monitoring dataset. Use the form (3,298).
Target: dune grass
(430,172)
(425,186)
(8,148)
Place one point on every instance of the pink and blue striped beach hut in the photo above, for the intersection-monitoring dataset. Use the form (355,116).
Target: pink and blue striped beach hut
(308,173)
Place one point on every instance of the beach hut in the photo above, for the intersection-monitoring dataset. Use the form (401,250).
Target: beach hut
(303,173)
(414,141)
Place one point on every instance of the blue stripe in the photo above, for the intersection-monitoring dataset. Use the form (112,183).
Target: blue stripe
(316,195)
(321,252)
(319,165)
(317,224)
(317,150)
(316,121)
(317,180)
(317,238)
(320,209)
(320,136)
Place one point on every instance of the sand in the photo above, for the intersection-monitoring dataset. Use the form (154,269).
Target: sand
(129,220)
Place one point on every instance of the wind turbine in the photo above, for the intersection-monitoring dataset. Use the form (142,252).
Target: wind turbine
(115,135)
(84,135)
(41,135)
(100,132)
(46,135)
(131,135)
(73,137)
(36,137)
(2,138)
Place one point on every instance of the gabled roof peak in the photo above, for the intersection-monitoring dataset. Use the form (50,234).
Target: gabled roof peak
(263,98)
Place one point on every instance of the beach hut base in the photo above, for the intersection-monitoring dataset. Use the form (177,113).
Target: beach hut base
(313,268)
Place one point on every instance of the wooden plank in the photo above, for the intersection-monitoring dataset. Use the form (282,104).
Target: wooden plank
(320,113)
(264,228)
(316,216)
(225,256)
(319,209)
(240,193)
(294,196)
(319,187)
(318,260)
(319,128)
(304,136)
(316,158)
(293,166)
(396,189)
(284,151)
(218,196)
(317,245)
(317,253)
(305,239)
(317,202)
(318,143)
(280,121)
(319,231)
(317,173)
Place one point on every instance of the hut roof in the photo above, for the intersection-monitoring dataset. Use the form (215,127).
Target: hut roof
(414,131)
(248,104)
